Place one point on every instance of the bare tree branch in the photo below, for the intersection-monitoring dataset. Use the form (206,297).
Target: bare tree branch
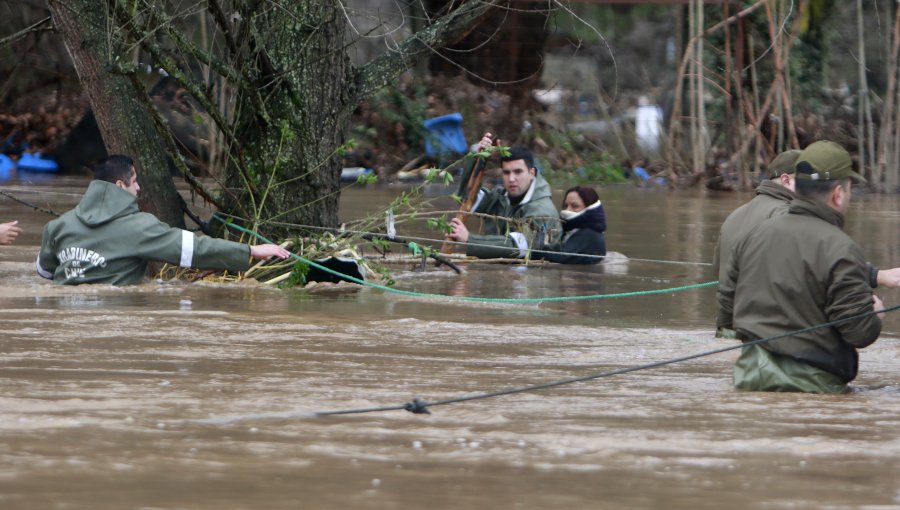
(453,25)
(235,76)
(44,25)
(165,134)
(222,21)
(200,93)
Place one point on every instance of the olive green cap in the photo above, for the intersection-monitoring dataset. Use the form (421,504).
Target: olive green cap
(783,164)
(825,161)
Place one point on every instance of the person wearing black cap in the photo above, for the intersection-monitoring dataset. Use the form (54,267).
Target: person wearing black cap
(800,270)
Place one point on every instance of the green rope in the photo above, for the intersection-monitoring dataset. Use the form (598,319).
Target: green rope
(470,298)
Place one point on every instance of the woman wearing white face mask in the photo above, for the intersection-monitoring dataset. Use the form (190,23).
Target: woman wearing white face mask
(584,224)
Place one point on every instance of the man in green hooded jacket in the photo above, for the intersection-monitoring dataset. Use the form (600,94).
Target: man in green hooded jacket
(800,270)
(518,217)
(106,239)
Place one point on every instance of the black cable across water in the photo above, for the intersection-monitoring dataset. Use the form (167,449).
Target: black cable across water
(418,406)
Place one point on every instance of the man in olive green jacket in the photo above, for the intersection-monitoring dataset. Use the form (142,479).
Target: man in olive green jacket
(520,216)
(107,239)
(772,198)
(799,270)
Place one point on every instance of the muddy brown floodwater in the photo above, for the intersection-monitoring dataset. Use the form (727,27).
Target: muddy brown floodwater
(201,396)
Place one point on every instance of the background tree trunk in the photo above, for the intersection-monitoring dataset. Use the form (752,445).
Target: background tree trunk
(291,149)
(122,119)
(296,90)
(289,163)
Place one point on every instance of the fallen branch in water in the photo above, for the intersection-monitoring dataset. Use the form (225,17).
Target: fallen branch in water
(441,258)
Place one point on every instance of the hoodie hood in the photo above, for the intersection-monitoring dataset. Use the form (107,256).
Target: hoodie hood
(104,201)
(775,190)
(808,207)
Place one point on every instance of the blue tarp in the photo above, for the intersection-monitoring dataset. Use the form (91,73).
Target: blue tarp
(35,163)
(6,166)
(445,134)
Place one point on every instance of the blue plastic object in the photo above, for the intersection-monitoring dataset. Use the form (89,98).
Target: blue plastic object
(640,172)
(445,134)
(35,163)
(352,173)
(6,166)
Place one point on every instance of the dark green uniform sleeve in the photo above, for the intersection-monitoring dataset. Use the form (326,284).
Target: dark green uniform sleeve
(159,241)
(212,253)
(872,271)
(491,246)
(850,295)
(725,296)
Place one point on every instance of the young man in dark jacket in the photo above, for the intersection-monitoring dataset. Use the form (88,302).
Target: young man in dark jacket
(520,215)
(106,239)
(799,270)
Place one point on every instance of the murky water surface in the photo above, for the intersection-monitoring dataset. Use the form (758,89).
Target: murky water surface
(201,396)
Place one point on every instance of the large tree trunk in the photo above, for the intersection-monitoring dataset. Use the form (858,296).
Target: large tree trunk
(290,150)
(287,63)
(115,99)
(288,172)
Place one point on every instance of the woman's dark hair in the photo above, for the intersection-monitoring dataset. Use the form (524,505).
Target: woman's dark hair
(114,168)
(587,194)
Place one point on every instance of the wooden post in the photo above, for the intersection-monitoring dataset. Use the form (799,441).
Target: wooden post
(471,193)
